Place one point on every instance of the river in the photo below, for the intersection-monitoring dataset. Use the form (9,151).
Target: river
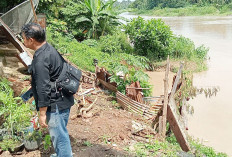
(211,121)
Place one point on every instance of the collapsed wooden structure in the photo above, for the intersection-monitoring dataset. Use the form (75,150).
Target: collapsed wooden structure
(162,107)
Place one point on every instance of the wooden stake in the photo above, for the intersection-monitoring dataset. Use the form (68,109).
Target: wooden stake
(165,98)
(33,9)
(160,125)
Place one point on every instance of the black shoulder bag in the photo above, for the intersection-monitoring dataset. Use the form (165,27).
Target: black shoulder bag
(69,78)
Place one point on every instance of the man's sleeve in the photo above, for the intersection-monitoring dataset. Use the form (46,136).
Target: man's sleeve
(42,81)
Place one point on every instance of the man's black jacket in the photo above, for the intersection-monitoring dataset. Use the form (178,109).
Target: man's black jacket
(45,68)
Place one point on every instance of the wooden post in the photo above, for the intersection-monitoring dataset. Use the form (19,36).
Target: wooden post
(33,9)
(173,117)
(160,125)
(11,37)
(176,127)
(164,119)
(177,80)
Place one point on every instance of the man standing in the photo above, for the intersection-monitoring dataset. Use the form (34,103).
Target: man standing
(54,107)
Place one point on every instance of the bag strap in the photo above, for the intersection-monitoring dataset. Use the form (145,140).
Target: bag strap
(62,57)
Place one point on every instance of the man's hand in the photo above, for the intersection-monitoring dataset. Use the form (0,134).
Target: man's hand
(42,121)
(42,117)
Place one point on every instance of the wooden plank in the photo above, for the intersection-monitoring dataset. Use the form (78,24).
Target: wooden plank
(164,119)
(108,85)
(33,9)
(176,80)
(176,127)
(11,37)
(160,124)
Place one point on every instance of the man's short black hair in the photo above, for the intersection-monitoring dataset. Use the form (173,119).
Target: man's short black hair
(35,31)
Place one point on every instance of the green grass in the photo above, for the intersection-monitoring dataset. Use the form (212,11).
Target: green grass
(170,147)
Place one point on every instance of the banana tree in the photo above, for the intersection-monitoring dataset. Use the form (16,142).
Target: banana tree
(99,16)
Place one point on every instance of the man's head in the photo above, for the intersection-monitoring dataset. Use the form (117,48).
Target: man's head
(33,35)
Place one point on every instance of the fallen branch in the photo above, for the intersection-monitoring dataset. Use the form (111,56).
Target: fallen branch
(84,111)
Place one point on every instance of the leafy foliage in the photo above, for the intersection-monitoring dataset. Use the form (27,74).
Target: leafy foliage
(182,47)
(91,17)
(16,113)
(150,4)
(34,136)
(6,5)
(150,38)
(116,43)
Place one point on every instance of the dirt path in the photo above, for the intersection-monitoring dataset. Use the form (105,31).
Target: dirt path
(156,79)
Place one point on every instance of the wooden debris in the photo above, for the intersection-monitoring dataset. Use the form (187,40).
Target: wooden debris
(84,111)
(86,92)
(134,106)
(173,117)
(134,92)
(104,78)
(164,117)
(176,127)
(12,38)
(108,85)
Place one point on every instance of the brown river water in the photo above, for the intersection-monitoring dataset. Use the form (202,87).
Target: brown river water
(211,122)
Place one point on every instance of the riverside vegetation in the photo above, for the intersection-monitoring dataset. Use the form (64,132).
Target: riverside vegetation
(90,29)
(182,7)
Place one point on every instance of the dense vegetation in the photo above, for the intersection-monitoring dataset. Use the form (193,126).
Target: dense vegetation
(14,116)
(182,7)
(5,5)
(150,4)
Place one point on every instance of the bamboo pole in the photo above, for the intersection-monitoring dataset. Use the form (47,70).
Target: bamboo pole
(165,98)
(33,9)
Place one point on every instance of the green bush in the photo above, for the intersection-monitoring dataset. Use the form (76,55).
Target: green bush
(90,42)
(116,43)
(15,113)
(151,38)
(184,48)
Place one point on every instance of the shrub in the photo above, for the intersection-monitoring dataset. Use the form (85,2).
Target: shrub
(151,38)
(182,47)
(16,115)
(90,42)
(118,42)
